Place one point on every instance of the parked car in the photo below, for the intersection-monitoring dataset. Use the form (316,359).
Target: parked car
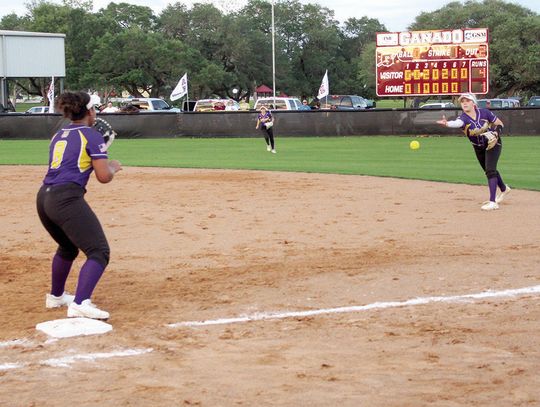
(438,105)
(215,105)
(371,104)
(534,101)
(38,109)
(146,105)
(344,102)
(278,103)
(497,103)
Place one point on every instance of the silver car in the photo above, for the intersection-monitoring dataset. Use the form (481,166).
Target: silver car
(38,109)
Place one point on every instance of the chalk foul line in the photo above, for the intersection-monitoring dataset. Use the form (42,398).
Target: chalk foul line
(359,308)
(15,342)
(67,361)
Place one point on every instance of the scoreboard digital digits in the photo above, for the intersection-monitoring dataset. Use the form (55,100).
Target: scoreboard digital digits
(441,62)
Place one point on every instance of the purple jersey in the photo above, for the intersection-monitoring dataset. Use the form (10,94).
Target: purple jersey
(71,152)
(267,116)
(474,128)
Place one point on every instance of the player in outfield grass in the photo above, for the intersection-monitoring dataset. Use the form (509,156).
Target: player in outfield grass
(265,122)
(484,130)
(75,152)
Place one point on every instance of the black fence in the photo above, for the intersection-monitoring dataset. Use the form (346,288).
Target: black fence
(518,121)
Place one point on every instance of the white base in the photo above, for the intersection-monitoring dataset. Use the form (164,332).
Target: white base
(68,327)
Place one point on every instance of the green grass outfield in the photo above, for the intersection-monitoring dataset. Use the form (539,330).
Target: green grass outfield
(448,159)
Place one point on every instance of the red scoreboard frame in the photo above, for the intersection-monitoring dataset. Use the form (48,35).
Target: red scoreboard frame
(439,62)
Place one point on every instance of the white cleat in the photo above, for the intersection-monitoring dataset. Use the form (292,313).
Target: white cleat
(52,301)
(490,206)
(273,151)
(268,148)
(502,195)
(86,310)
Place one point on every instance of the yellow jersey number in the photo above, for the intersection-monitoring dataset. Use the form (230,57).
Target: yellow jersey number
(58,154)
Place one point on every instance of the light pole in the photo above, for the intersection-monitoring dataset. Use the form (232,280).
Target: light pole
(273,56)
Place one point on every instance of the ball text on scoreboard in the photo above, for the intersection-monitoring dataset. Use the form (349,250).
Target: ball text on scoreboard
(438,62)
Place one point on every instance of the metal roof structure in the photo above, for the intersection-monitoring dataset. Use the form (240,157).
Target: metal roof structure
(32,54)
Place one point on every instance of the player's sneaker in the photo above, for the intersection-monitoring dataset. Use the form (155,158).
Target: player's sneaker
(86,310)
(490,206)
(273,151)
(52,301)
(268,148)
(500,197)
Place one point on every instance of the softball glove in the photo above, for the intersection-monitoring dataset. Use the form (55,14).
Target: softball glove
(491,137)
(106,131)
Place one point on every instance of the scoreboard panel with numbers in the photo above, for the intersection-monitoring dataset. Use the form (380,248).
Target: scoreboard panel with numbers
(441,62)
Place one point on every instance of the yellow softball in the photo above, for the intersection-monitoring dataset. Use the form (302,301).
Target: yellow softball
(415,145)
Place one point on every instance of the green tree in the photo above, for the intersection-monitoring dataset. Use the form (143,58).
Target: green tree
(311,42)
(366,70)
(174,21)
(128,16)
(143,62)
(225,42)
(13,22)
(359,32)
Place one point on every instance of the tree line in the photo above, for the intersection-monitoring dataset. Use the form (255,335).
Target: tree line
(126,47)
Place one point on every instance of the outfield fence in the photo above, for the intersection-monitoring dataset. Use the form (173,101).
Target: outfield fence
(518,121)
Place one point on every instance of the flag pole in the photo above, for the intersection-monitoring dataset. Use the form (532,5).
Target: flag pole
(50,95)
(273,56)
(328,89)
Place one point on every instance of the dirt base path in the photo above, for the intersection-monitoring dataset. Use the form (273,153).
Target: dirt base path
(211,244)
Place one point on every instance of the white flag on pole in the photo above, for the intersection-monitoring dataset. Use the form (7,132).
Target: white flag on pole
(324,90)
(181,89)
(50,96)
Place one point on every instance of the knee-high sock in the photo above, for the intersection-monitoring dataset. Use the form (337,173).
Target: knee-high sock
(89,276)
(492,182)
(59,275)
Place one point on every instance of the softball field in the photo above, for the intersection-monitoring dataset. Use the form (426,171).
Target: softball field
(315,290)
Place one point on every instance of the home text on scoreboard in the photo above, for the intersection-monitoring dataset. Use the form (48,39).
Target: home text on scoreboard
(440,62)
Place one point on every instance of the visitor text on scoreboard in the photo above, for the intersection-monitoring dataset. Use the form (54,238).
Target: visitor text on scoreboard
(439,62)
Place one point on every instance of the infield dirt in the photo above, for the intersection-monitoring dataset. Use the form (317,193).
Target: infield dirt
(207,244)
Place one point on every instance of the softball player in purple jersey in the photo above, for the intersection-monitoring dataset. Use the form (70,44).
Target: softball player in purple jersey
(75,151)
(474,122)
(265,121)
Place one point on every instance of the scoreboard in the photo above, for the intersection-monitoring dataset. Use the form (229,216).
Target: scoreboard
(441,62)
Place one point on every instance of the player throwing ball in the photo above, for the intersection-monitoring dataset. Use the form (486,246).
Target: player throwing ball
(75,151)
(484,130)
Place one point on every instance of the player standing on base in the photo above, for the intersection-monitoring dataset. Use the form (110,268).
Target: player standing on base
(75,151)
(484,130)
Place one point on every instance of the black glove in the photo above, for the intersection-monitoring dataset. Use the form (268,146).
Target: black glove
(106,131)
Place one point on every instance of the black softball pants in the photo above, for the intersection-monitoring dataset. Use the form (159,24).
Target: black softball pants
(268,136)
(488,159)
(71,222)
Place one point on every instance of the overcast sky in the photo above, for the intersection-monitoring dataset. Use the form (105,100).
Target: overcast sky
(396,15)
